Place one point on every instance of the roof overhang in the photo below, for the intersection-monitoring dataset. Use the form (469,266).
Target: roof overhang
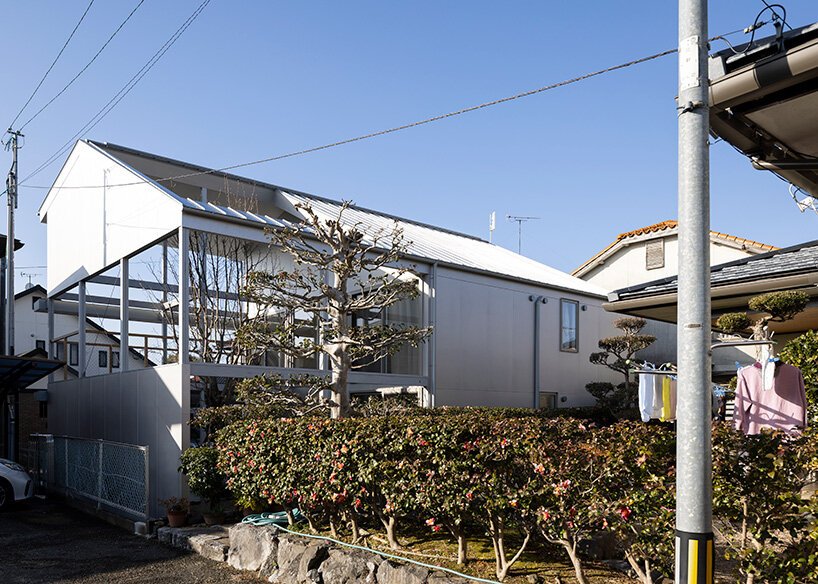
(20,372)
(764,102)
(730,298)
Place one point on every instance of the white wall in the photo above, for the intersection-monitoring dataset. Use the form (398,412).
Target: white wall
(484,338)
(92,228)
(627,266)
(150,407)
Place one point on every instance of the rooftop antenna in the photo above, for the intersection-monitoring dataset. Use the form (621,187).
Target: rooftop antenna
(492,224)
(28,275)
(520,219)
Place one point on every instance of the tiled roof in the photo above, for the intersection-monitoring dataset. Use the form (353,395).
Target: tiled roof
(668,226)
(798,259)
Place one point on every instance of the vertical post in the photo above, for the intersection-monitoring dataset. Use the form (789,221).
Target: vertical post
(694,502)
(164,301)
(124,316)
(81,330)
(184,297)
(11,200)
(52,350)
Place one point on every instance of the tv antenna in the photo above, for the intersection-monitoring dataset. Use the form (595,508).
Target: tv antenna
(520,219)
(28,275)
(492,224)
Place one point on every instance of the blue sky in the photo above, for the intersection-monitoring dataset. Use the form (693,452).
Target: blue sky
(253,79)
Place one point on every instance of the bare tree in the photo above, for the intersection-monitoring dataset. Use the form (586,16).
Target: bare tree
(339,272)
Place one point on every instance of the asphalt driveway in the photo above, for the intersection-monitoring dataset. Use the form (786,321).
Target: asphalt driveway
(48,542)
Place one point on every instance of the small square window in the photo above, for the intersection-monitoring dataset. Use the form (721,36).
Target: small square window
(115,359)
(103,359)
(548,400)
(73,354)
(34,300)
(40,344)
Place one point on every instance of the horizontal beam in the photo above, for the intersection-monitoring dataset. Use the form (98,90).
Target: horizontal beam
(157,287)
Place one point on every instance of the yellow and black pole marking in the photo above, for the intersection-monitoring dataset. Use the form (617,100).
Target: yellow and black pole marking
(694,558)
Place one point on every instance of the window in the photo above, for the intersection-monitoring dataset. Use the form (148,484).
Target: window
(103,359)
(34,300)
(569,325)
(43,409)
(655,254)
(61,351)
(115,359)
(40,344)
(73,354)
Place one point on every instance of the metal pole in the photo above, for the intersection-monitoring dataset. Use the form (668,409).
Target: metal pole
(124,314)
(694,500)
(81,342)
(11,200)
(164,301)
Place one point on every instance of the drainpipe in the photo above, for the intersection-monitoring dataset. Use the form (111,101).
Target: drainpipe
(432,340)
(537,300)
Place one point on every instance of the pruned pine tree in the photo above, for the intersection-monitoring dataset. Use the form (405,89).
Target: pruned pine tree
(338,272)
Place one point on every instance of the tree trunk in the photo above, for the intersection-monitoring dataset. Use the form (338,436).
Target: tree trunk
(389,524)
(645,575)
(290,516)
(497,532)
(579,574)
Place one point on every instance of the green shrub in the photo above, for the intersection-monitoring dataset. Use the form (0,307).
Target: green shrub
(780,306)
(802,352)
(733,322)
(203,477)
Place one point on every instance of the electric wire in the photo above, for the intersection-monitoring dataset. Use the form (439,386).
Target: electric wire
(85,68)
(369,135)
(120,95)
(783,18)
(54,62)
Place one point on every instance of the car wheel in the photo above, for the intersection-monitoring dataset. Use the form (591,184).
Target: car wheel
(6,496)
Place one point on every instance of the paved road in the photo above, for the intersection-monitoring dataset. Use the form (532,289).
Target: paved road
(46,542)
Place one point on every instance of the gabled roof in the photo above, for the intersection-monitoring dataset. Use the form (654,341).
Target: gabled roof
(424,242)
(661,229)
(790,261)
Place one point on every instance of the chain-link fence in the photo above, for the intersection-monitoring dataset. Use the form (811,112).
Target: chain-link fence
(111,474)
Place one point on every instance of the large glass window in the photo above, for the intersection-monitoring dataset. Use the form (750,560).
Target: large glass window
(406,312)
(569,325)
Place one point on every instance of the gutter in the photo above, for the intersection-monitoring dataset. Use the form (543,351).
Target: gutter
(803,280)
(538,301)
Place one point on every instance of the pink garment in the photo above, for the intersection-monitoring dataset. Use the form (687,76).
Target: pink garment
(783,407)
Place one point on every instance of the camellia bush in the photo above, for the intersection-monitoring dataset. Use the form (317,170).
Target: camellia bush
(516,477)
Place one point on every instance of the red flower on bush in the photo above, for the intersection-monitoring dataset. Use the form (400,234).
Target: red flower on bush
(430,521)
(624,512)
(539,468)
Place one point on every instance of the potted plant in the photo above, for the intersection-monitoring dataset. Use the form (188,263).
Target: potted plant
(199,465)
(176,510)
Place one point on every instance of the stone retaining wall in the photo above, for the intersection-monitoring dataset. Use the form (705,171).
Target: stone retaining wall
(280,557)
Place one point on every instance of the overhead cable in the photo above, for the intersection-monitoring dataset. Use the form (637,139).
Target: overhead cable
(94,58)
(120,95)
(54,62)
(378,133)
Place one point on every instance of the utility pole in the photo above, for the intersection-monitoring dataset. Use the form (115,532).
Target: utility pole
(520,219)
(694,484)
(11,199)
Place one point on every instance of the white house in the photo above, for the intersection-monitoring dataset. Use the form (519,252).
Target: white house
(652,253)
(508,331)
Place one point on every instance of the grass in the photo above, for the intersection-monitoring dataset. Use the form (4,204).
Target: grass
(440,550)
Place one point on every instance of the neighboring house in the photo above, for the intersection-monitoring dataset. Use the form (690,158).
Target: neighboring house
(508,331)
(732,286)
(651,253)
(31,340)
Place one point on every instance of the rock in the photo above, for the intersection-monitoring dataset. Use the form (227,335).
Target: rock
(391,573)
(251,546)
(348,567)
(446,578)
(213,546)
(535,579)
(165,535)
(296,560)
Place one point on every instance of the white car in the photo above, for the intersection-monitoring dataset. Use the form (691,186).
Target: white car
(15,483)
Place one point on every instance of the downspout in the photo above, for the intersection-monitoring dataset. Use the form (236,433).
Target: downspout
(432,340)
(537,300)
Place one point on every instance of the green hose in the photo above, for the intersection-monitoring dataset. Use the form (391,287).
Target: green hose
(280,520)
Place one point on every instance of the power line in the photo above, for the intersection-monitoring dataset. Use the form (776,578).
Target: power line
(94,58)
(374,134)
(54,62)
(120,95)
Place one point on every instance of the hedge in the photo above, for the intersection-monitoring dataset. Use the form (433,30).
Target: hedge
(486,473)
